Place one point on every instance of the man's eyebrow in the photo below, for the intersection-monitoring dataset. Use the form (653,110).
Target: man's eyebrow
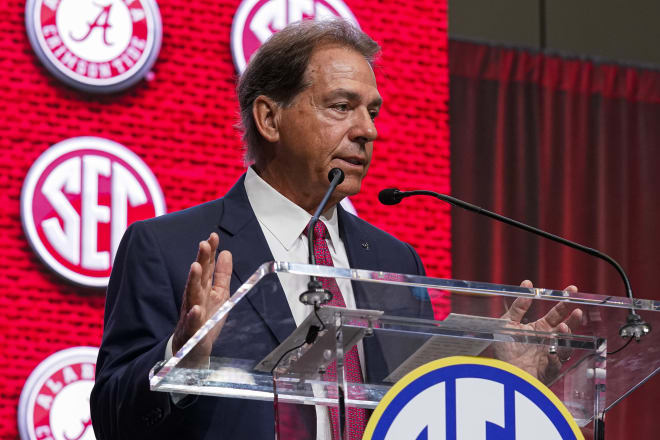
(353,96)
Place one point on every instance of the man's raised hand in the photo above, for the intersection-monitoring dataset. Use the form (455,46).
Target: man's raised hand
(206,290)
(539,361)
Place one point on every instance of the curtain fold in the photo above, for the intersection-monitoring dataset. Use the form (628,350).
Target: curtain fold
(573,147)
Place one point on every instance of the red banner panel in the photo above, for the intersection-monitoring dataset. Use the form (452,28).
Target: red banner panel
(180,121)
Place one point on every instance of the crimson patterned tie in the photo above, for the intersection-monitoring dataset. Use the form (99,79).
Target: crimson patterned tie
(356,417)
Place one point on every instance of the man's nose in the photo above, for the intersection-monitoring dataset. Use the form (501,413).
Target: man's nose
(363,129)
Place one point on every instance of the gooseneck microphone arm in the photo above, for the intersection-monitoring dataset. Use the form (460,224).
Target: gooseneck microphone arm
(634,326)
(470,207)
(335,176)
(315,294)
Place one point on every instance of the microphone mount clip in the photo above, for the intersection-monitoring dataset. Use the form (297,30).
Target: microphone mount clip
(316,295)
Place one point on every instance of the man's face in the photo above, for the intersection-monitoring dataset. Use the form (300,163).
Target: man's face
(330,123)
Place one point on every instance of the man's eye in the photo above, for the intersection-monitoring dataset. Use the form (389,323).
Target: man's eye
(373,114)
(341,107)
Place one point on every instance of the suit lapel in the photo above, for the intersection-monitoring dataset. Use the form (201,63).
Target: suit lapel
(241,234)
(362,254)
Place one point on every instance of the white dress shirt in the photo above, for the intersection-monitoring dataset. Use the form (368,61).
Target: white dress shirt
(283,224)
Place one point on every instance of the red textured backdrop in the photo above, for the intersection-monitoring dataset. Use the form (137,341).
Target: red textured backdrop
(180,124)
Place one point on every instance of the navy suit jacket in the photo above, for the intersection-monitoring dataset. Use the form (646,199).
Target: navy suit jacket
(142,308)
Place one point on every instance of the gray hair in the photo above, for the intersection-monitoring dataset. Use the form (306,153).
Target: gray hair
(277,69)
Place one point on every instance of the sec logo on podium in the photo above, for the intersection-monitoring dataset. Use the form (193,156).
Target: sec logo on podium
(460,398)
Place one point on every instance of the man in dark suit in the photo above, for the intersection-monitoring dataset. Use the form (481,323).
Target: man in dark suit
(308,102)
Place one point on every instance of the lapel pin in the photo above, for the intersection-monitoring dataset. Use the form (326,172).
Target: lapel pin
(365,245)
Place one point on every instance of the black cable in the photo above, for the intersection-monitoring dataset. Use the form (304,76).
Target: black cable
(316,313)
(312,333)
(282,357)
(609,353)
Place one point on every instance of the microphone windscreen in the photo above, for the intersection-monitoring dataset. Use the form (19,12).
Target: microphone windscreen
(389,196)
(333,172)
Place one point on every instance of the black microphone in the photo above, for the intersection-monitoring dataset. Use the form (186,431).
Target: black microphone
(389,196)
(634,326)
(316,294)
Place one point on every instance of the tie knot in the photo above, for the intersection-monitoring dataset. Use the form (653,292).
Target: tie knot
(320,231)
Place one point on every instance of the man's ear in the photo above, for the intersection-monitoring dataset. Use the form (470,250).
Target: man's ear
(265,112)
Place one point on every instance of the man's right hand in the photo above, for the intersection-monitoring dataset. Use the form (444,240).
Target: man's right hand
(206,290)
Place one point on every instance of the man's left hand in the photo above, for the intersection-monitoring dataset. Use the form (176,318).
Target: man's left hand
(538,360)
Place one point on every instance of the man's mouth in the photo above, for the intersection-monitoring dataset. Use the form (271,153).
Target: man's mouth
(353,160)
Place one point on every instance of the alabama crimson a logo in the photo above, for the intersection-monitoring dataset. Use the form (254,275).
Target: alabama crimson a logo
(54,403)
(77,200)
(95,45)
(256,20)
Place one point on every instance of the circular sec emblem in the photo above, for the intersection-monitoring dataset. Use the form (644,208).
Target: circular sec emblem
(470,398)
(96,46)
(77,200)
(54,403)
(256,20)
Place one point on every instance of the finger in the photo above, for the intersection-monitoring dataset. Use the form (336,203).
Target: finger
(574,319)
(564,353)
(193,321)
(556,315)
(222,274)
(205,259)
(520,306)
(192,294)
(518,309)
(213,242)
(560,312)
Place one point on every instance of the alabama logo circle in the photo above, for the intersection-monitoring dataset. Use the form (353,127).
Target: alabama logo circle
(54,403)
(256,20)
(96,46)
(470,398)
(77,200)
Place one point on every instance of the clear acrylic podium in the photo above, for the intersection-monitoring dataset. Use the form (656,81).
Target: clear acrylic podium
(396,330)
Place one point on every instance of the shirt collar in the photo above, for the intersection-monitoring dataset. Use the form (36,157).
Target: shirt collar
(283,218)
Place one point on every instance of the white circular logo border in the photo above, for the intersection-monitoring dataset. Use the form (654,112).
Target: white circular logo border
(240,17)
(35,172)
(115,84)
(39,375)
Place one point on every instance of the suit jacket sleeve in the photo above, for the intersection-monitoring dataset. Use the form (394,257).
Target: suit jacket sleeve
(141,307)
(418,261)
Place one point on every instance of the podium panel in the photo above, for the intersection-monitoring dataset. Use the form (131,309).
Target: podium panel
(251,348)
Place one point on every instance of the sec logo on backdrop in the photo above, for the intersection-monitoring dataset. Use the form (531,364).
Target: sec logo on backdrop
(470,398)
(96,46)
(54,403)
(77,200)
(256,20)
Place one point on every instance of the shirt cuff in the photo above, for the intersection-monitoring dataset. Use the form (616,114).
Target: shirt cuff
(168,349)
(179,399)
